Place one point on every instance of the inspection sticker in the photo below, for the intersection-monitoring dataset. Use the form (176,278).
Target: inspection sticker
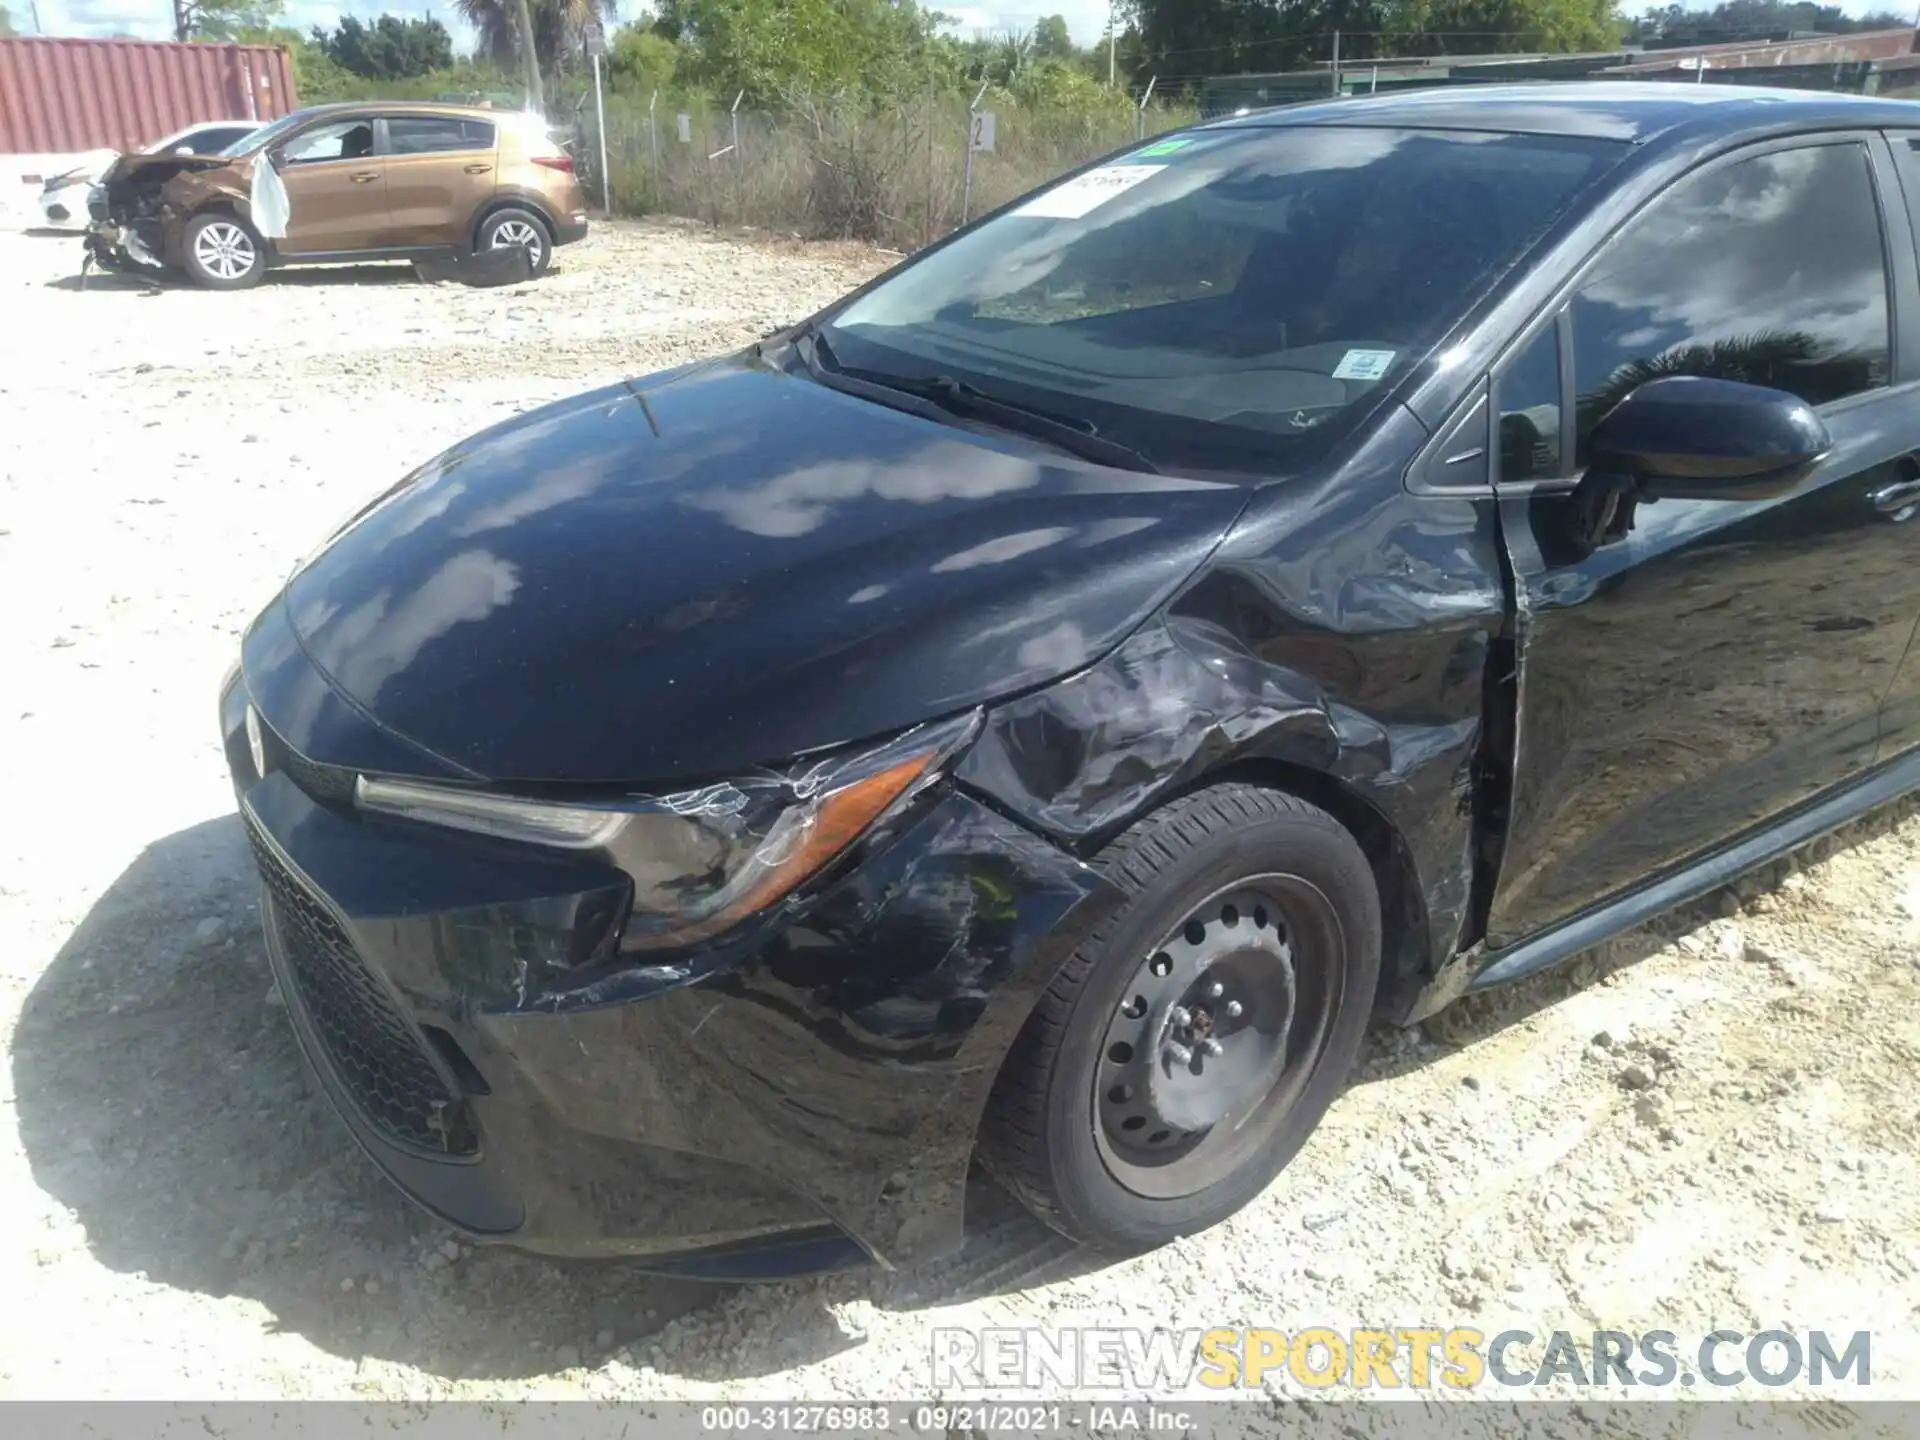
(1086,193)
(1363,365)
(1162,147)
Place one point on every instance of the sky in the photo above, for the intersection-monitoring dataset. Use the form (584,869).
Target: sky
(152,19)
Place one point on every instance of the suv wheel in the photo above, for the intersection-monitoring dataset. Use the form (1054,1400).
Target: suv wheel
(1190,1045)
(222,252)
(523,228)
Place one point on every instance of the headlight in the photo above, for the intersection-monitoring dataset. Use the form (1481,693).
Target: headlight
(700,860)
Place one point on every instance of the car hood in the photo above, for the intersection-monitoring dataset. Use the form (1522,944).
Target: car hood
(726,567)
(142,169)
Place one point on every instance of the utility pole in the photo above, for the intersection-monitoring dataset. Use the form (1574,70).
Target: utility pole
(1113,43)
(1336,60)
(182,20)
(536,101)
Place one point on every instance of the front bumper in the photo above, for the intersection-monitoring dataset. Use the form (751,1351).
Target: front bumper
(801,1099)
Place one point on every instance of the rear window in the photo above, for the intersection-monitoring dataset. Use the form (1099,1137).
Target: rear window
(1240,289)
(424,134)
(534,133)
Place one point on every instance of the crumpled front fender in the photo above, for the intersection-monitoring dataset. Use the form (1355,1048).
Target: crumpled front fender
(1347,662)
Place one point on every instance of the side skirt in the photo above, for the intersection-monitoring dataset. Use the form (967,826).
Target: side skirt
(345,257)
(1708,873)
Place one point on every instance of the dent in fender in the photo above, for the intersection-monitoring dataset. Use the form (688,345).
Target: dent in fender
(1244,669)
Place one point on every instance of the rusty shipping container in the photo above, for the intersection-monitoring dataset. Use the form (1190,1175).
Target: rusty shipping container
(63,95)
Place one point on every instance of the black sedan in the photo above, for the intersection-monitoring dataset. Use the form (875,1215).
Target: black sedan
(1038,709)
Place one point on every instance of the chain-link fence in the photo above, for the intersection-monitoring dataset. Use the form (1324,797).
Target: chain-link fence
(897,175)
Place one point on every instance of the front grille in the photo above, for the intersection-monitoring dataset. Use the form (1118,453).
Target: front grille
(374,1050)
(322,782)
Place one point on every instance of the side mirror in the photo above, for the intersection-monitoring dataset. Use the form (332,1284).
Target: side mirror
(1692,438)
(183,150)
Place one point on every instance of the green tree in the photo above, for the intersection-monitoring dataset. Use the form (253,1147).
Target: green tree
(1192,38)
(777,48)
(1051,40)
(1671,25)
(560,28)
(641,59)
(222,19)
(6,23)
(1418,27)
(391,48)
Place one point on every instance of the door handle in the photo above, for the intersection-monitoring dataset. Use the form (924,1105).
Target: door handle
(1897,501)
(478,169)
(364,176)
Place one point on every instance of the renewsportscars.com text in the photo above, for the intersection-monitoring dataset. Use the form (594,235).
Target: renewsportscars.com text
(1160,1361)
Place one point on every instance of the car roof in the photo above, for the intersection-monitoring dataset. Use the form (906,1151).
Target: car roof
(1634,111)
(409,107)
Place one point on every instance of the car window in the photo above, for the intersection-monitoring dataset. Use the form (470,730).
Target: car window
(1528,394)
(1770,270)
(1168,257)
(343,140)
(212,142)
(423,134)
(1213,297)
(269,134)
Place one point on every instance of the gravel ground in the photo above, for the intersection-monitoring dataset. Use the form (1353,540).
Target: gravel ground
(1709,1126)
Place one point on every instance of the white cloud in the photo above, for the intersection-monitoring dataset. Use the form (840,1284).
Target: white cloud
(1086,19)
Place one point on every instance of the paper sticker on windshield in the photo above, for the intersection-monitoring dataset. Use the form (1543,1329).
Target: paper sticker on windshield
(1363,365)
(1087,193)
(1162,147)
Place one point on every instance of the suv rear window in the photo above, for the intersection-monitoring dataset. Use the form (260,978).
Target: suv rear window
(423,134)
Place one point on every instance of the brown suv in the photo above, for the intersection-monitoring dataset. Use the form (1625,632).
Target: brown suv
(362,181)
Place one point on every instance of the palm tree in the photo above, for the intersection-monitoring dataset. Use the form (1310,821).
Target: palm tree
(560,29)
(1784,360)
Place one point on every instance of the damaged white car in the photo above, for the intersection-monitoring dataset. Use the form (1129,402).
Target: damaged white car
(66,198)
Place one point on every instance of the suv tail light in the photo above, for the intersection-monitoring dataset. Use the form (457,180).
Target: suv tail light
(555,162)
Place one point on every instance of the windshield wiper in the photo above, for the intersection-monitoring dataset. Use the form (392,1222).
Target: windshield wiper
(946,394)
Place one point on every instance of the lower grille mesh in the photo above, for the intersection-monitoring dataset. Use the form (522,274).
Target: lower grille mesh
(373,1049)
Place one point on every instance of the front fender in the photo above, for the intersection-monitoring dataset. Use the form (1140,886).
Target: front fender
(1342,635)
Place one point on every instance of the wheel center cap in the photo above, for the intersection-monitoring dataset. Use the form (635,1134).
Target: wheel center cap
(1214,1053)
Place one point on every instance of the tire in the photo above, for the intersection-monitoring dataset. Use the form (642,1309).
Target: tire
(219,251)
(1289,927)
(514,226)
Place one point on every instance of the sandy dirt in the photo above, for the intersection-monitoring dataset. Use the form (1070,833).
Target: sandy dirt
(1712,1125)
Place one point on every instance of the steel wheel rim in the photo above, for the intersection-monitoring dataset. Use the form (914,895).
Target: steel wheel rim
(518,233)
(1166,1127)
(224,250)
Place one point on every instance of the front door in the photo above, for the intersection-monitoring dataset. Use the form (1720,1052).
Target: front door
(336,190)
(439,171)
(1723,661)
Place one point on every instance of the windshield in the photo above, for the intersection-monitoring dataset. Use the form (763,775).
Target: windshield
(1220,298)
(267,134)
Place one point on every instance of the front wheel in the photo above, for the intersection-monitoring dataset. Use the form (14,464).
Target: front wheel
(505,229)
(1191,1044)
(222,252)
